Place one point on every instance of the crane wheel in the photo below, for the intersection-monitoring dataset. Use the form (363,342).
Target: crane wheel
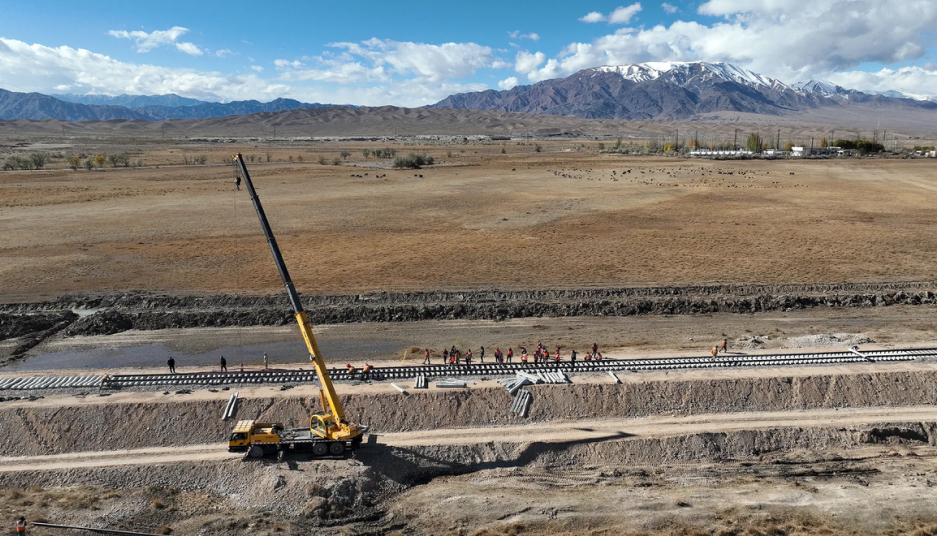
(320,449)
(337,448)
(256,451)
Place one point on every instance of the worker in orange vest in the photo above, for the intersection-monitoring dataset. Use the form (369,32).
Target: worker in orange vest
(367,372)
(21,526)
(715,351)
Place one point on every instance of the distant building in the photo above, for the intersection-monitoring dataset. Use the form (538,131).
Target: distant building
(706,152)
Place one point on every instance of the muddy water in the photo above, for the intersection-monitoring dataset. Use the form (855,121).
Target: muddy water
(155,355)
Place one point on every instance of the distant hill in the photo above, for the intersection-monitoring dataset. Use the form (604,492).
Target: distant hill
(671,91)
(130,101)
(38,106)
(216,109)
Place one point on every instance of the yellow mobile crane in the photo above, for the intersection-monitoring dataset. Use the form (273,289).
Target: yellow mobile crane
(329,432)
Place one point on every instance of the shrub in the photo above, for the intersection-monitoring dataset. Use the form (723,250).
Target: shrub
(321,160)
(413,161)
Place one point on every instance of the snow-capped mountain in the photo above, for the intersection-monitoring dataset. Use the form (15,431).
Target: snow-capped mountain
(821,87)
(656,90)
(688,73)
(668,90)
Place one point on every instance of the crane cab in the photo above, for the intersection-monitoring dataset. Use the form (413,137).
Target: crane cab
(323,425)
(247,433)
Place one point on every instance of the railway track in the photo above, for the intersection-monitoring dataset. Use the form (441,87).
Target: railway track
(30,383)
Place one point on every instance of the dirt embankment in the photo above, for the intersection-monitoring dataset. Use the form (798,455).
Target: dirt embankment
(52,430)
(146,311)
(352,491)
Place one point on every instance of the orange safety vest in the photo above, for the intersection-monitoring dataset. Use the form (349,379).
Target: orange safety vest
(20,527)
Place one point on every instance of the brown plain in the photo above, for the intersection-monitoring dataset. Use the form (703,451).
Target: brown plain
(561,218)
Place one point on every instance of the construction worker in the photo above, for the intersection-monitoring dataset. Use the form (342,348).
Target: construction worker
(366,372)
(557,354)
(266,361)
(725,345)
(588,356)
(510,354)
(445,356)
(172,365)
(715,351)
(237,182)
(524,357)
(351,370)
(572,356)
(426,357)
(595,348)
(481,354)
(21,526)
(224,365)
(468,358)
(499,357)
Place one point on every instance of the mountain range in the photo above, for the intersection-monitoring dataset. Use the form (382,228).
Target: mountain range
(668,91)
(37,106)
(672,91)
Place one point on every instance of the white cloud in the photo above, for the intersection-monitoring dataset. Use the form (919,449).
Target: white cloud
(508,83)
(382,60)
(790,40)
(189,48)
(623,15)
(148,41)
(257,68)
(223,53)
(516,34)
(525,61)
(911,80)
(593,16)
(669,8)
(286,64)
(25,67)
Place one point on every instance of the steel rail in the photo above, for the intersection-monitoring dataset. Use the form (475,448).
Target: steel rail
(489,369)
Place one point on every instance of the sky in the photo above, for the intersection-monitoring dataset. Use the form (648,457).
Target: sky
(418,52)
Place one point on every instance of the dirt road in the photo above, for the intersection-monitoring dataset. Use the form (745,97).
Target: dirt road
(552,432)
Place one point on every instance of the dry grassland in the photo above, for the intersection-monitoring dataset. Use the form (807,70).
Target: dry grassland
(478,219)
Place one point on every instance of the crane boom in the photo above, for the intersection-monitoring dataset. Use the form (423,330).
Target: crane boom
(305,326)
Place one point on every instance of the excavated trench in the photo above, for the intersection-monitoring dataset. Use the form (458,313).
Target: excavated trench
(172,421)
(149,311)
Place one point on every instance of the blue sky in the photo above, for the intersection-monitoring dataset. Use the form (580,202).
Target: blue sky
(418,52)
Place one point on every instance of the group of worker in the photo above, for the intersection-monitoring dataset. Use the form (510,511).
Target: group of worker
(724,346)
(171,363)
(453,356)
(365,371)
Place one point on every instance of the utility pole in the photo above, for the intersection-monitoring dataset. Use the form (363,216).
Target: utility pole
(735,142)
(777,144)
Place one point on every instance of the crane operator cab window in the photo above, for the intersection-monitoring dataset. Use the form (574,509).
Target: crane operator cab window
(322,424)
(238,436)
